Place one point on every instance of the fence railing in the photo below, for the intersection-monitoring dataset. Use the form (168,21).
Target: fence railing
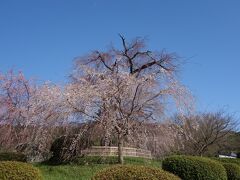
(113,151)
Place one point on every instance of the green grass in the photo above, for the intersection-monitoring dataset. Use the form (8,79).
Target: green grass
(85,172)
(84,168)
(69,172)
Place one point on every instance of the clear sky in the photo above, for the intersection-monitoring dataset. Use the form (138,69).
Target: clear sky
(42,37)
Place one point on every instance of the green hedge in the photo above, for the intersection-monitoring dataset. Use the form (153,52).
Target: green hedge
(233,171)
(87,160)
(194,168)
(228,160)
(12,156)
(11,170)
(133,172)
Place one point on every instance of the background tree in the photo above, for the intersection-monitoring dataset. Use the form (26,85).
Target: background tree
(123,89)
(15,94)
(200,132)
(229,144)
(26,111)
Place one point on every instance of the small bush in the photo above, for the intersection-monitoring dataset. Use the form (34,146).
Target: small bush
(228,160)
(12,156)
(131,172)
(233,171)
(194,168)
(11,170)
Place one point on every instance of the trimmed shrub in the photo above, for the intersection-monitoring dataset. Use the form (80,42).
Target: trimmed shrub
(233,171)
(18,171)
(12,156)
(228,160)
(131,172)
(194,168)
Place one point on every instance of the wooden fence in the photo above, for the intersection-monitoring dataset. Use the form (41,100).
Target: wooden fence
(113,151)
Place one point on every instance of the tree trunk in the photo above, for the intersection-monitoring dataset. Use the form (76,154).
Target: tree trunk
(120,150)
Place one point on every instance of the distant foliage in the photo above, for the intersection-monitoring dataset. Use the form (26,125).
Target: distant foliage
(194,168)
(204,133)
(10,170)
(233,171)
(12,156)
(130,172)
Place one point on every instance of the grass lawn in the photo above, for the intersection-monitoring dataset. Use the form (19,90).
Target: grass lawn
(69,172)
(85,172)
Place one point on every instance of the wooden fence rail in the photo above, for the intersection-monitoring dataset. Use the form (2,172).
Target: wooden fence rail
(113,151)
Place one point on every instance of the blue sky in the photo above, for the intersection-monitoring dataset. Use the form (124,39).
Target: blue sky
(42,37)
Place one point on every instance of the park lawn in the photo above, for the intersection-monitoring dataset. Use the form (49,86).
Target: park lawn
(85,172)
(69,172)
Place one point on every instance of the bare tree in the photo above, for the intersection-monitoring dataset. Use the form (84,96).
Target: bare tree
(122,89)
(199,132)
